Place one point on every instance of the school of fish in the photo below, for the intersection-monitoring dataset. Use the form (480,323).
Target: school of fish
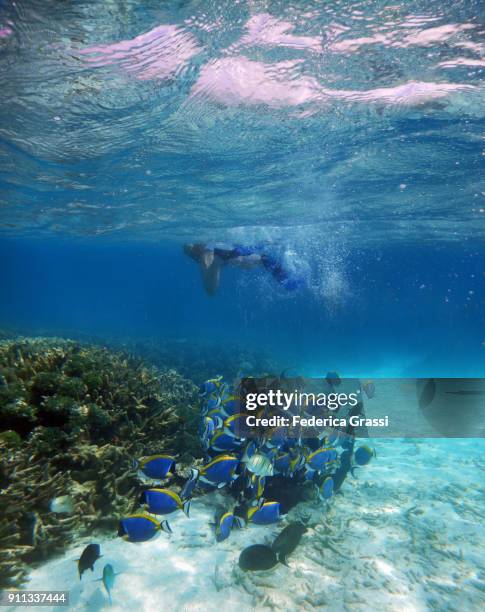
(243,467)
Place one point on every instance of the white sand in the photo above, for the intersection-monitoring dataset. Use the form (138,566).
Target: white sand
(407,534)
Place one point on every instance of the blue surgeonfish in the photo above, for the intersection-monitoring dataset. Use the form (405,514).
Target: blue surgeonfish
(254,487)
(282,463)
(223,442)
(140,527)
(210,386)
(212,403)
(363,455)
(108,579)
(220,470)
(264,513)
(296,463)
(309,474)
(318,460)
(227,392)
(218,417)
(230,407)
(225,524)
(277,437)
(326,490)
(233,424)
(206,431)
(156,466)
(163,501)
(208,426)
(209,403)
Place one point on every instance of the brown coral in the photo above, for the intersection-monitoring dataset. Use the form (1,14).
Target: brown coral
(76,417)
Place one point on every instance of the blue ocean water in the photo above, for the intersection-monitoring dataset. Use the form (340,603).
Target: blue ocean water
(346,137)
(343,139)
(398,310)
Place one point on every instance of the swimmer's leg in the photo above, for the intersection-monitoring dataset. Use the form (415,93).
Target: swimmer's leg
(211,275)
(287,280)
(210,265)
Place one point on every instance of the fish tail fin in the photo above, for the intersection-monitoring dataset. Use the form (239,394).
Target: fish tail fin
(173,468)
(282,559)
(190,484)
(164,526)
(109,599)
(135,464)
(186,507)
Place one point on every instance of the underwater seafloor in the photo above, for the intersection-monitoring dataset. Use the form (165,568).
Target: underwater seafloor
(405,533)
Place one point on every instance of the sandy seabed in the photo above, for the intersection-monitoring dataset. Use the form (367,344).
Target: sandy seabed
(406,534)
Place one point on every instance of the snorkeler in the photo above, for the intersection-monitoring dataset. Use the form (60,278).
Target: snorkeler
(212,259)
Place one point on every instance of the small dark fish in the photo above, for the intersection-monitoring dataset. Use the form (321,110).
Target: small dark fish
(88,558)
(343,469)
(257,558)
(363,455)
(287,493)
(286,541)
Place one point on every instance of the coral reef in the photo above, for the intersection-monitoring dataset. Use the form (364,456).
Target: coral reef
(196,359)
(72,419)
(200,361)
